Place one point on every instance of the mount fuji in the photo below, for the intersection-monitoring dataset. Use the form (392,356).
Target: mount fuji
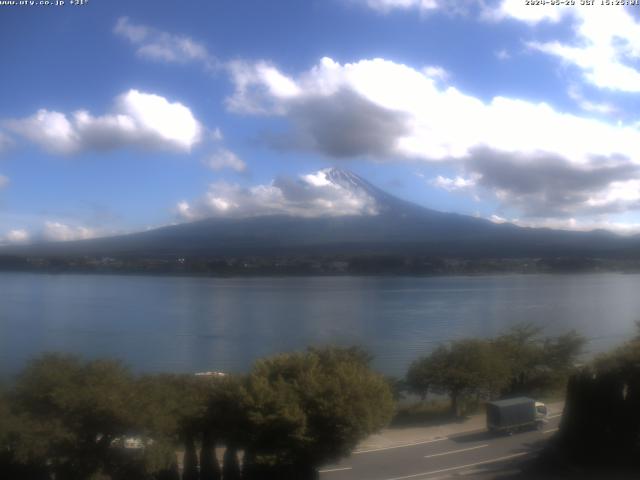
(395,227)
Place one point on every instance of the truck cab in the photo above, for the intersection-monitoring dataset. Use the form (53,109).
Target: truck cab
(541,411)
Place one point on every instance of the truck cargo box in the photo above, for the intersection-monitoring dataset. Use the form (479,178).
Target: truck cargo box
(511,413)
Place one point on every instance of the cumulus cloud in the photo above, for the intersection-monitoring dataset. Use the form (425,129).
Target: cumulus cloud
(342,125)
(259,88)
(454,7)
(224,158)
(519,10)
(161,46)
(421,118)
(545,161)
(603,108)
(15,237)
(453,184)
(605,44)
(312,195)
(581,224)
(4,181)
(498,219)
(436,72)
(387,5)
(61,232)
(137,119)
(49,231)
(547,185)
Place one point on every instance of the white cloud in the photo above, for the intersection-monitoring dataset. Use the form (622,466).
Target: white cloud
(185,211)
(503,54)
(4,181)
(497,219)
(60,232)
(162,46)
(603,108)
(312,195)
(224,158)
(435,72)
(216,135)
(51,130)
(452,184)
(624,194)
(431,122)
(388,5)
(585,225)
(545,161)
(519,10)
(138,119)
(249,79)
(606,41)
(49,231)
(422,7)
(15,237)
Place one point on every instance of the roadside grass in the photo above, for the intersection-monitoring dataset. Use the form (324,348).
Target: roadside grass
(431,412)
(438,411)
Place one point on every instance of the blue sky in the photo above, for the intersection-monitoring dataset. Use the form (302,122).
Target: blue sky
(120,116)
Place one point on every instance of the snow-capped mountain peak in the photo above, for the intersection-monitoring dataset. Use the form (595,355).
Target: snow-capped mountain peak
(385,202)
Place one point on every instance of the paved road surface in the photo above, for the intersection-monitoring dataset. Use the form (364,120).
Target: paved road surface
(465,453)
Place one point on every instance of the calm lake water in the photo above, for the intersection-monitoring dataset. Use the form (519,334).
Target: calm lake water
(194,324)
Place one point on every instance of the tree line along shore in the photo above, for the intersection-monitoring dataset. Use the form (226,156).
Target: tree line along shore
(373,264)
(71,419)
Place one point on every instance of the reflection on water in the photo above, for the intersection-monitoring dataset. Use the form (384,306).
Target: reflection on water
(193,324)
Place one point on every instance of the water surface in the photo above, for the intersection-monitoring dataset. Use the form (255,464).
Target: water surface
(184,324)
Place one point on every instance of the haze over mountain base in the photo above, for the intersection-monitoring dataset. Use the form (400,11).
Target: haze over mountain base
(391,235)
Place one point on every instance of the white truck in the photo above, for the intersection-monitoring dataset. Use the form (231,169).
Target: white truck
(514,414)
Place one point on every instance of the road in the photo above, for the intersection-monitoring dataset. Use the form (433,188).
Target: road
(463,453)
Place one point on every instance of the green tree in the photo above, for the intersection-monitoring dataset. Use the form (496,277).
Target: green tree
(521,346)
(69,413)
(467,368)
(22,448)
(561,352)
(310,408)
(173,410)
(209,466)
(422,375)
(537,364)
(601,422)
(159,459)
(226,423)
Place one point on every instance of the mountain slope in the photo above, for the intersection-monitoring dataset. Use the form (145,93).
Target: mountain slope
(400,227)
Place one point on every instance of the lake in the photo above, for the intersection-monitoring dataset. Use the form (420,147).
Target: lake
(182,324)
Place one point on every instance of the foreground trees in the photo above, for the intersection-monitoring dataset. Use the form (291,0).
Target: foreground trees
(600,428)
(172,409)
(537,364)
(518,362)
(466,368)
(66,414)
(68,419)
(328,400)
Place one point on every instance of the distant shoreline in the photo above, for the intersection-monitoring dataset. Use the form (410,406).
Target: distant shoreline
(361,266)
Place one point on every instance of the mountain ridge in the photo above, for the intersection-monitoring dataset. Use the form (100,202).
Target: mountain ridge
(399,228)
